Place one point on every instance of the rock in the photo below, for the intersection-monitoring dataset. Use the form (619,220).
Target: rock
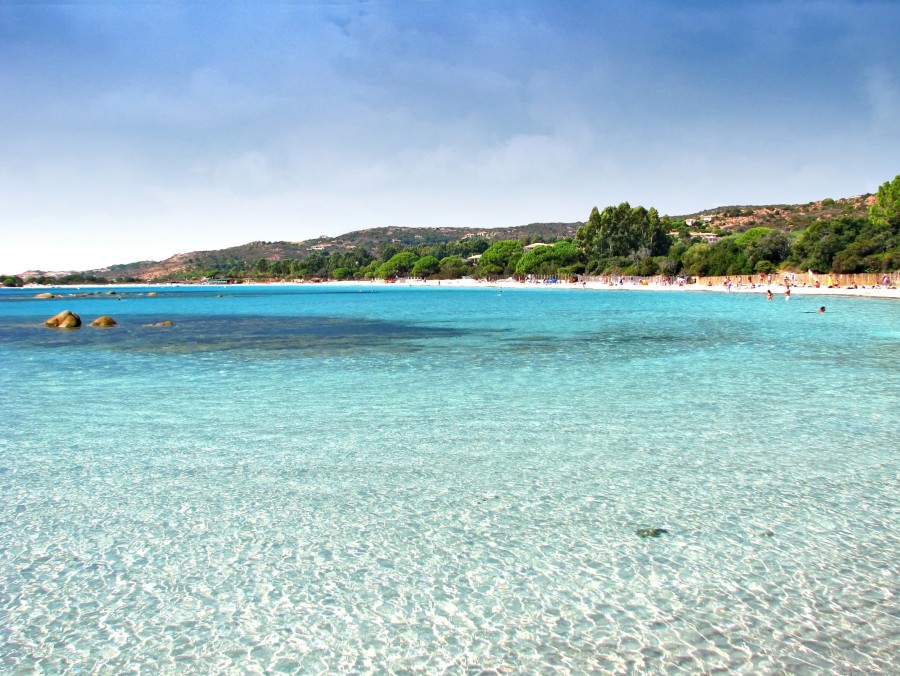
(650,532)
(45,295)
(103,321)
(168,322)
(64,320)
(152,293)
(767,534)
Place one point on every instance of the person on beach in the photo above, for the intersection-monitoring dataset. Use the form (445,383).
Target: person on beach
(769,294)
(787,292)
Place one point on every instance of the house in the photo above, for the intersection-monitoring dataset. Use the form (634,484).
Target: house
(530,247)
(710,237)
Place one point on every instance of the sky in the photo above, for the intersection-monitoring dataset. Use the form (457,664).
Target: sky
(137,130)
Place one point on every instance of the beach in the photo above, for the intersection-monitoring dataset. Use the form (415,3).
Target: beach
(777,289)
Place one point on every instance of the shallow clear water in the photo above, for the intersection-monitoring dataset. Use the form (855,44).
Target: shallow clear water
(425,480)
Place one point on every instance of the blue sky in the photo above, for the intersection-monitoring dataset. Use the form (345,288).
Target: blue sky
(138,130)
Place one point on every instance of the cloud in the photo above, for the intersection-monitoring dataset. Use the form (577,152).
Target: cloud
(205,97)
(301,118)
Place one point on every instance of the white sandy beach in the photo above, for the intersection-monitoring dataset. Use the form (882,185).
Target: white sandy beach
(777,289)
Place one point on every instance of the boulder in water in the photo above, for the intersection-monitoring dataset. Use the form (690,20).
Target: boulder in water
(45,295)
(168,322)
(103,321)
(64,320)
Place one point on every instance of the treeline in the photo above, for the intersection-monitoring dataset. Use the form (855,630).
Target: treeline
(73,279)
(620,239)
(631,241)
(446,260)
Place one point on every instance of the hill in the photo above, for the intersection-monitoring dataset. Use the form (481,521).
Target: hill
(784,217)
(371,240)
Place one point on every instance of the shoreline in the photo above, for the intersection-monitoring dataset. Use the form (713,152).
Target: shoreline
(889,293)
(777,289)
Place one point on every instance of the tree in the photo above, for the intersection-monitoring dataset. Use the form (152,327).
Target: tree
(816,247)
(314,265)
(341,273)
(387,251)
(472,246)
(549,260)
(623,231)
(261,267)
(399,265)
(453,267)
(696,259)
(501,257)
(647,267)
(886,210)
(727,258)
(765,245)
(427,266)
(567,253)
(540,260)
(369,271)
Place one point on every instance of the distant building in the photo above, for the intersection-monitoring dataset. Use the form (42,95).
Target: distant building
(529,247)
(710,237)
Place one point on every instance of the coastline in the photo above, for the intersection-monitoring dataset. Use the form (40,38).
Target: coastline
(777,289)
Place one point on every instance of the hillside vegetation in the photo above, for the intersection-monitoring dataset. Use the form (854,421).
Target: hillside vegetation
(846,235)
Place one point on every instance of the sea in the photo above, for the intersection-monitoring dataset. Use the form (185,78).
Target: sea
(380,479)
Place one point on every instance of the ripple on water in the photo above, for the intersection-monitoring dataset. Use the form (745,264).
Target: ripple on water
(456,500)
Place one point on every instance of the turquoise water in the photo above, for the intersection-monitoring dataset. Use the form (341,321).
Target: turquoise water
(328,480)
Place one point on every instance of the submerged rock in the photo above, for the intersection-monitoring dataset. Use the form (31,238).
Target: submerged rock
(152,293)
(168,322)
(650,532)
(64,320)
(45,295)
(103,321)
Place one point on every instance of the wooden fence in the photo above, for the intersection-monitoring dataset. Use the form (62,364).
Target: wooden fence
(806,279)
